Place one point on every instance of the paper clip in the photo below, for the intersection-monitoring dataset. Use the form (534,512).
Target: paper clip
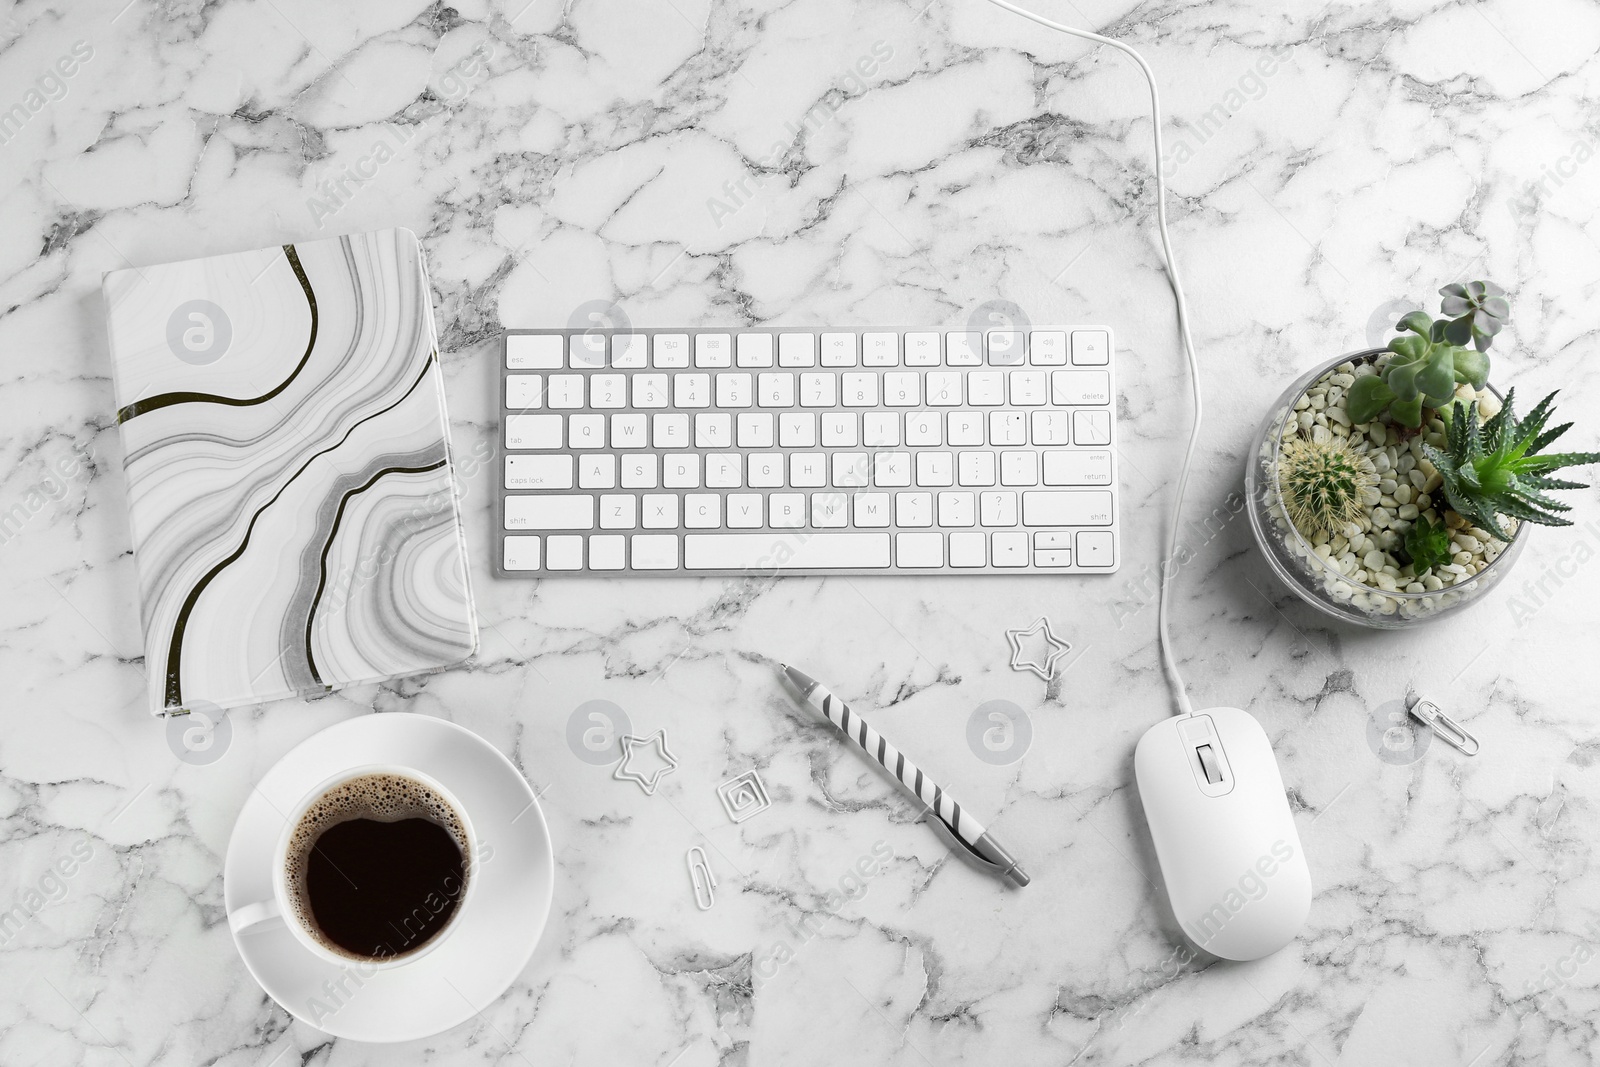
(1452,732)
(704,894)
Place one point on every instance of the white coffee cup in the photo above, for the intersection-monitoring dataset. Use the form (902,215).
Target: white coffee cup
(278,907)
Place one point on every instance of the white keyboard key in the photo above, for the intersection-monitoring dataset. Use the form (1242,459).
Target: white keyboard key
(839,429)
(766,470)
(775,390)
(587,350)
(734,390)
(1019,468)
(1010,548)
(986,388)
(654,552)
(628,350)
(619,511)
(756,430)
(671,350)
(860,390)
(902,389)
(564,391)
(524,391)
(922,350)
(936,468)
(607,552)
(533,431)
(788,511)
(713,350)
(669,430)
(975,468)
(649,390)
(586,431)
(680,470)
(965,428)
(628,431)
(968,549)
(608,390)
(797,350)
(702,511)
(1074,507)
(660,511)
(1077,467)
(808,470)
(598,470)
(538,472)
(745,511)
(1095,548)
(957,509)
(890,469)
(851,470)
(919,549)
(755,350)
(913,509)
(713,429)
(1052,427)
(1074,387)
(944,388)
(880,429)
(691,390)
(963,349)
(521,551)
(880,349)
(998,509)
(797,430)
(819,390)
(870,510)
(1028,388)
(830,510)
(1007,348)
(549,512)
(924,428)
(534,351)
(563,553)
(724,470)
(1047,348)
(1090,348)
(1008,428)
(763,552)
(639,471)
(1091,427)
(838,350)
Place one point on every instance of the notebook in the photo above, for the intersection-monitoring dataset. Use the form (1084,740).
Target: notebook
(294,516)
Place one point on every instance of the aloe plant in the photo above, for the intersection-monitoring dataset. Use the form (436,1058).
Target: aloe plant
(1433,358)
(1497,468)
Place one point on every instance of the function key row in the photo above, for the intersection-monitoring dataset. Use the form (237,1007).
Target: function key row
(636,351)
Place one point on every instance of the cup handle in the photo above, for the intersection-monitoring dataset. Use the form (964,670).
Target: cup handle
(254,914)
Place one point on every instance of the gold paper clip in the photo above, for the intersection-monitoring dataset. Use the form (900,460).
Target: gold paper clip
(1452,732)
(704,894)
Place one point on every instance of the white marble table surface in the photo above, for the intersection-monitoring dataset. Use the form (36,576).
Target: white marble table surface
(655,153)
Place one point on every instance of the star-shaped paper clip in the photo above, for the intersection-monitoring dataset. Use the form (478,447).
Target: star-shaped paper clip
(1025,660)
(647,782)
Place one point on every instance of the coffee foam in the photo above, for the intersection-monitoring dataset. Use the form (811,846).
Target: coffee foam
(380,797)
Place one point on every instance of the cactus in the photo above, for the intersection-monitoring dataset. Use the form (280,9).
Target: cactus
(1433,359)
(1324,484)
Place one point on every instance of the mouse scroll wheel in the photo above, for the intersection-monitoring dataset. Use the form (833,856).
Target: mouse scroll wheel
(1209,763)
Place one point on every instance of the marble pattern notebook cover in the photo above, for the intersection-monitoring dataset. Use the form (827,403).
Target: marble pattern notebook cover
(295,524)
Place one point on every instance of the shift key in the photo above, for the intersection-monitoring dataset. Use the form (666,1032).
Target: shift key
(1081,507)
(550,512)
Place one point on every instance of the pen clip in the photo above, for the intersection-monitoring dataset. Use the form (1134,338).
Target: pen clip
(952,841)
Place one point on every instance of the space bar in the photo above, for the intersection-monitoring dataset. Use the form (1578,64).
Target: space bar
(785,550)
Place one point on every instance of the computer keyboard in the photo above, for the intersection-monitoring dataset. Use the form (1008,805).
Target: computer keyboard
(807,451)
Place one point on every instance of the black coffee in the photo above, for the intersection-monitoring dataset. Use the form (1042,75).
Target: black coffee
(377,866)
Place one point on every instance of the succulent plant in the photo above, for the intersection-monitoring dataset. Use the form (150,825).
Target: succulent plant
(1496,469)
(1428,545)
(1432,358)
(1324,484)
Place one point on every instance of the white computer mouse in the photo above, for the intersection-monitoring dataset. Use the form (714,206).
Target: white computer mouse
(1230,856)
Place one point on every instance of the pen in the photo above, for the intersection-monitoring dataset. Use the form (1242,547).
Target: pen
(960,830)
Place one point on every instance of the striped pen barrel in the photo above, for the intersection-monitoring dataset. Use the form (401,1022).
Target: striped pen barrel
(960,830)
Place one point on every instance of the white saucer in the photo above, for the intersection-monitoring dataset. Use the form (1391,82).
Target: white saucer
(492,940)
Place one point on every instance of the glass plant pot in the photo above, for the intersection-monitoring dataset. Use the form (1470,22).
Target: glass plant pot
(1319,581)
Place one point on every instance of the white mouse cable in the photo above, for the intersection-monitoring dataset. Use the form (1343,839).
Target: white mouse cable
(1184,707)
